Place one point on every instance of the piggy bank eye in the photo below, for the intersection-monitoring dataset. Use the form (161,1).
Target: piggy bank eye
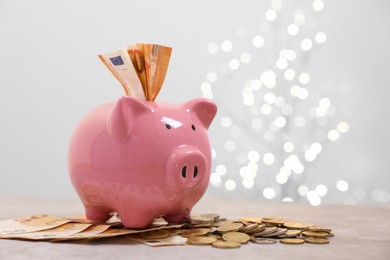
(193,127)
(168,126)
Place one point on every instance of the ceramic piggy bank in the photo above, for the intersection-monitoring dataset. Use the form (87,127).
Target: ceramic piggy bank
(142,159)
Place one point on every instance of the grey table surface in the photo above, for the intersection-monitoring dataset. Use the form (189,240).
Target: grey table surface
(361,232)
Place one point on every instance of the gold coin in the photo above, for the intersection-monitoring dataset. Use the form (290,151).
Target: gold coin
(223,222)
(273,221)
(201,240)
(263,240)
(203,225)
(155,234)
(292,241)
(230,227)
(226,244)
(290,233)
(251,219)
(249,227)
(266,231)
(195,232)
(174,231)
(238,237)
(245,223)
(200,219)
(260,228)
(278,232)
(317,240)
(214,216)
(319,229)
(296,225)
(216,236)
(315,234)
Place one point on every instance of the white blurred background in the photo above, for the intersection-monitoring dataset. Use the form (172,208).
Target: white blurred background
(247,56)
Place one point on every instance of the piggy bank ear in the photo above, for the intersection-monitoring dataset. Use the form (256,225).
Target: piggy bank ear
(123,117)
(203,109)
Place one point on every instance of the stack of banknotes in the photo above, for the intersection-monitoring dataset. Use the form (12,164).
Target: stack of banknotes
(140,68)
(52,228)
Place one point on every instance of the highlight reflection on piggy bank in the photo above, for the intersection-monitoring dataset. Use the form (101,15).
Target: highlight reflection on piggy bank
(142,159)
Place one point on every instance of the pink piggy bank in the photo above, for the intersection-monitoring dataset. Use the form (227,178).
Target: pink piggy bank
(142,159)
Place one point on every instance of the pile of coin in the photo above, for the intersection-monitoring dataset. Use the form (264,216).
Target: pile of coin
(206,229)
(210,229)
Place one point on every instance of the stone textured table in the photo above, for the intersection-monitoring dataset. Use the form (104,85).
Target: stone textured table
(361,232)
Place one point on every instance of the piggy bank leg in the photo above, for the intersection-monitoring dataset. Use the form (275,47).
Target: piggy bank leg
(97,214)
(179,217)
(131,220)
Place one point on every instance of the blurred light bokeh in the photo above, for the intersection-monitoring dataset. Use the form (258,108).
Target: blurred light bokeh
(301,87)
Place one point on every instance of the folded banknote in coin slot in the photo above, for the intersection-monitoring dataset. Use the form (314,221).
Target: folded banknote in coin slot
(140,68)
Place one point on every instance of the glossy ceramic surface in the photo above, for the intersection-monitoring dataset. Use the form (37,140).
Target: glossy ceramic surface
(142,159)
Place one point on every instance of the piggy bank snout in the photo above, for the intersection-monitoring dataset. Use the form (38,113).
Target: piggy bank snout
(188,166)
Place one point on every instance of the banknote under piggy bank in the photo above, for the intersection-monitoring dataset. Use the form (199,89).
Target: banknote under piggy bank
(142,159)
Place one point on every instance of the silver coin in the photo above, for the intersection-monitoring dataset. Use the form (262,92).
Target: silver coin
(263,241)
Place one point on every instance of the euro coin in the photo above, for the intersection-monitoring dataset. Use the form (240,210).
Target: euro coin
(195,232)
(290,233)
(249,227)
(230,227)
(237,237)
(251,220)
(223,222)
(317,240)
(296,225)
(226,244)
(315,234)
(155,234)
(260,227)
(271,221)
(201,240)
(201,219)
(263,241)
(278,232)
(203,225)
(266,231)
(214,216)
(292,241)
(216,236)
(319,229)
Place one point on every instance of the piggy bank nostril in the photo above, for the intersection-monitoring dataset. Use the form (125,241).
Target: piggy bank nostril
(195,171)
(184,171)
